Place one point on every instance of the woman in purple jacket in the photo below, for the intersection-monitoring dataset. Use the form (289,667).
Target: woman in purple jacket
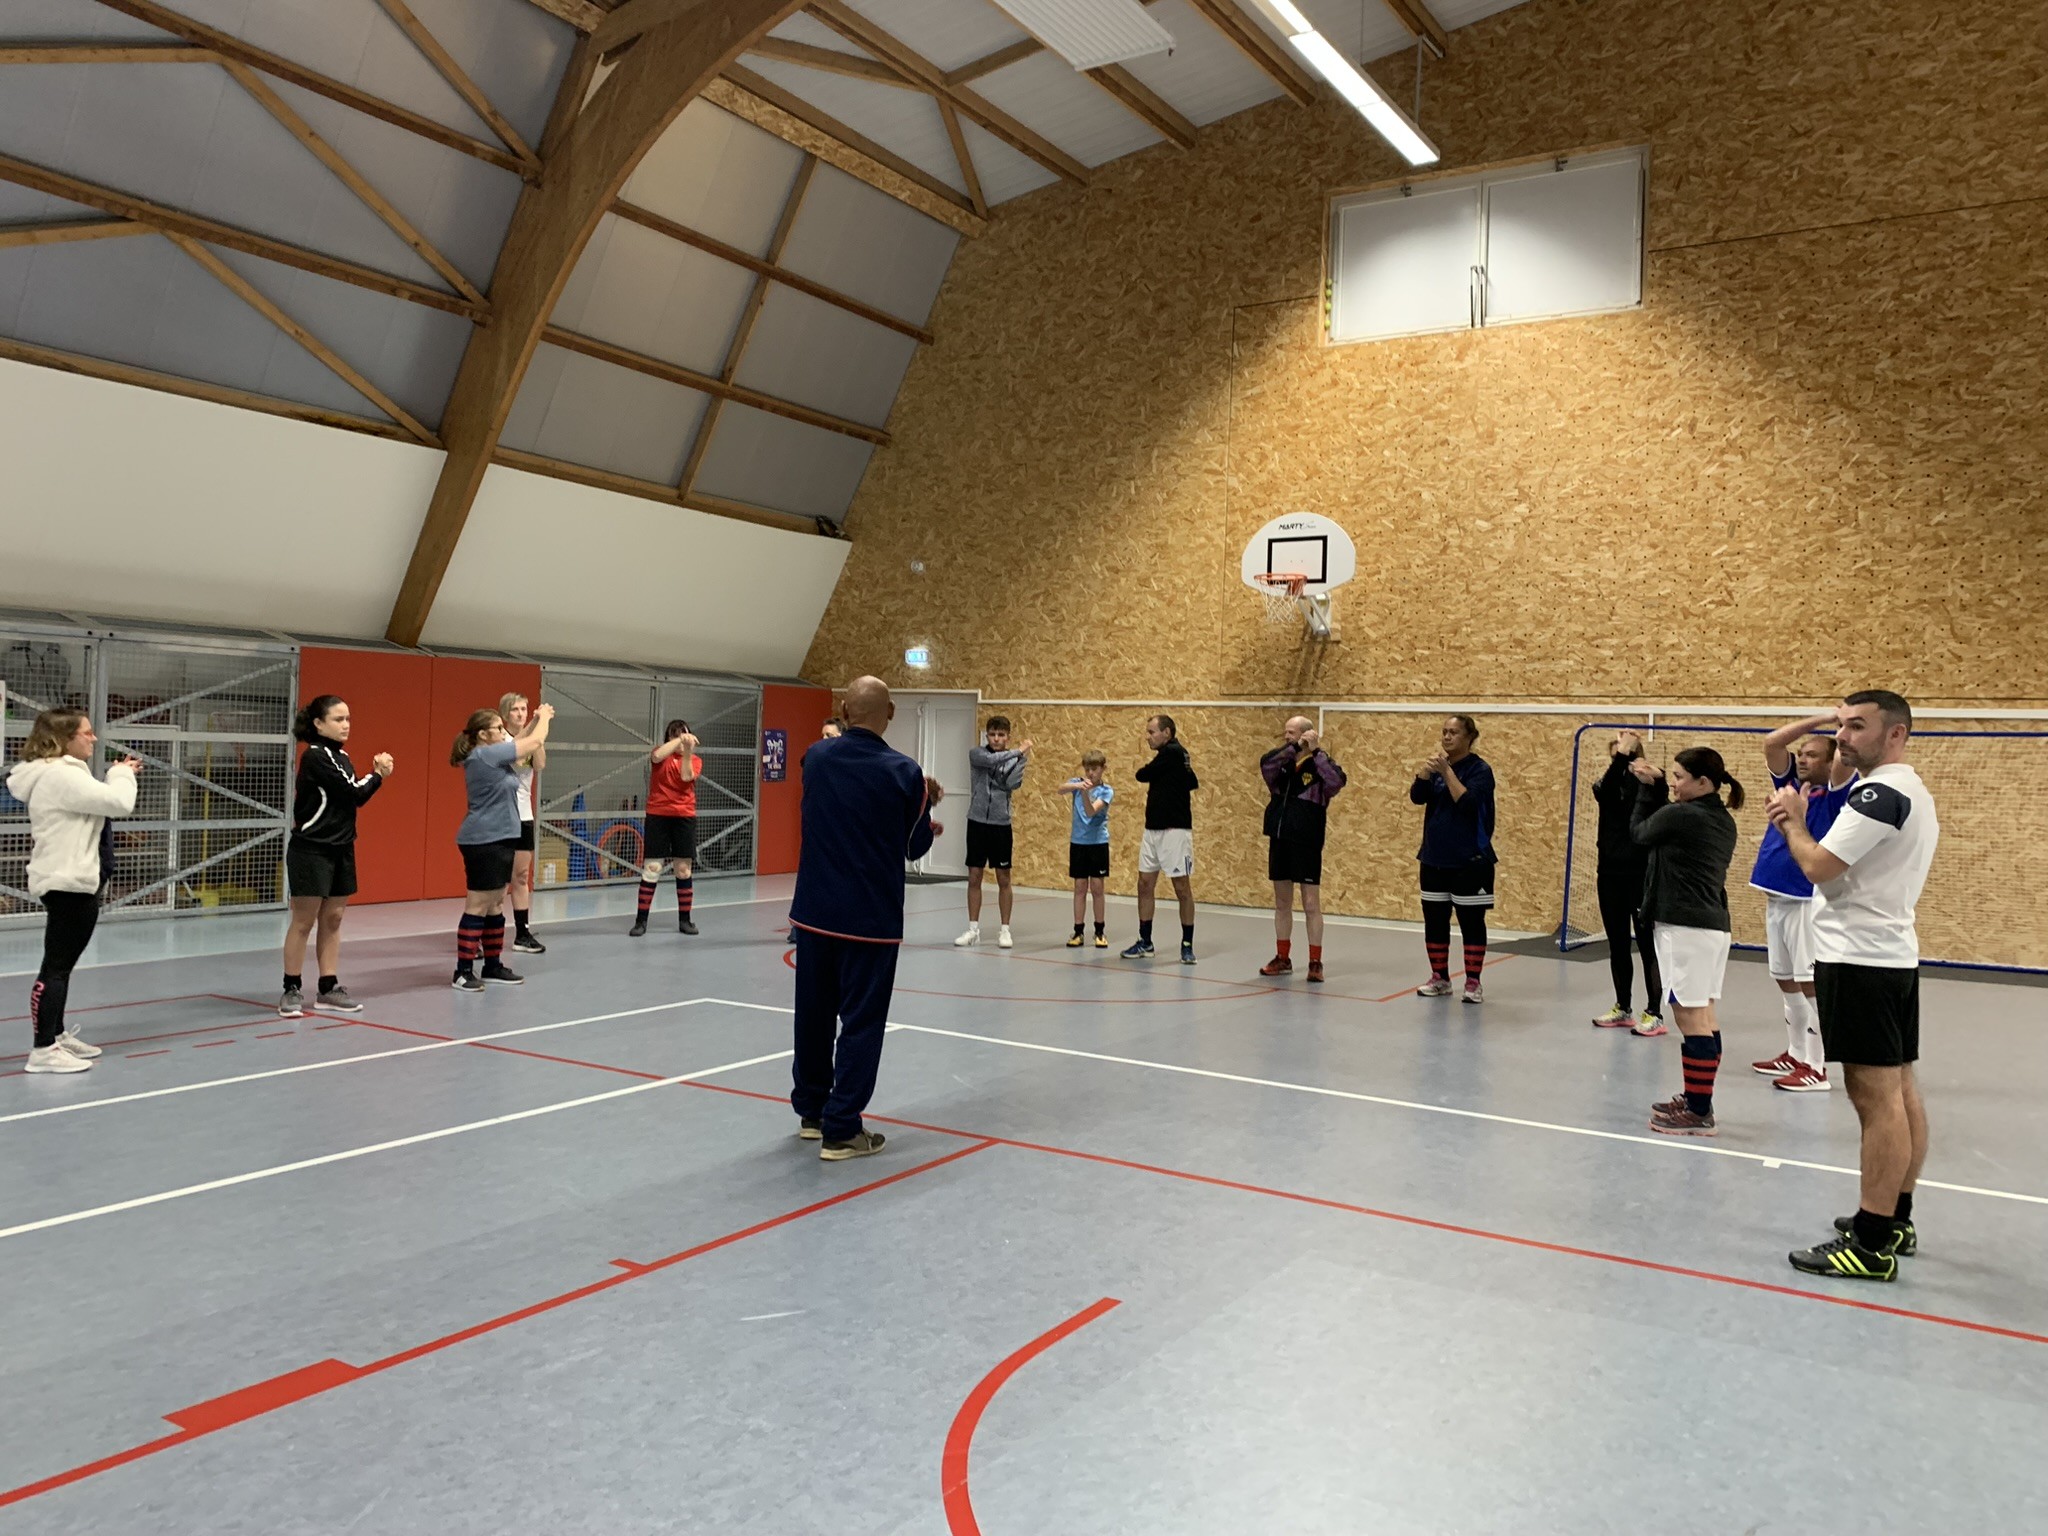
(1302,779)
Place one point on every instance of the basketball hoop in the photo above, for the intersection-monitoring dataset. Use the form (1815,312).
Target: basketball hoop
(1283,593)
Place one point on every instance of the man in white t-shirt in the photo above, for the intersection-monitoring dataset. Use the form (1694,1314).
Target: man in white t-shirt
(1868,872)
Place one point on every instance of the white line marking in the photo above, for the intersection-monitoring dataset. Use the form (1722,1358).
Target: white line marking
(341,1061)
(766,1317)
(1664,1143)
(381,1146)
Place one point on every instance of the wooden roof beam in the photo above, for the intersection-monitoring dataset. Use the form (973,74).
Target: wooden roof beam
(175,221)
(831,60)
(1422,24)
(964,156)
(105,53)
(457,77)
(63,231)
(1259,45)
(580,14)
(654,490)
(278,67)
(678,54)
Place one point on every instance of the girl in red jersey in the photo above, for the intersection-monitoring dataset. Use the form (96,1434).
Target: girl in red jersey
(671,823)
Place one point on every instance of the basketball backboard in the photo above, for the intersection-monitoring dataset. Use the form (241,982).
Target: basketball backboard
(1304,544)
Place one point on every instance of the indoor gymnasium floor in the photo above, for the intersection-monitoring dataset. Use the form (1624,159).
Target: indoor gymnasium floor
(1151,1250)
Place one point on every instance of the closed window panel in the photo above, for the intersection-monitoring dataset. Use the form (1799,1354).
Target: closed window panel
(1565,242)
(1404,264)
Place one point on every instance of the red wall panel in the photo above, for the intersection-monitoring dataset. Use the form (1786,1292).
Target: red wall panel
(802,712)
(388,694)
(459,686)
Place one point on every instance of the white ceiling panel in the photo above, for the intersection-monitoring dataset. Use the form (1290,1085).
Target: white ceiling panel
(949,33)
(1048,94)
(19,205)
(806,28)
(352,40)
(718,175)
(188,136)
(513,50)
(869,246)
(144,302)
(587,412)
(1003,171)
(813,353)
(906,121)
(771,461)
(641,290)
(72,21)
(1205,78)
(1359,32)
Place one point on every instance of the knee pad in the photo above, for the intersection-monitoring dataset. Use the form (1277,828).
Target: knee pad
(652,871)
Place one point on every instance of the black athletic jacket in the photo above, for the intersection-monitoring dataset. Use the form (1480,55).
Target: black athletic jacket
(1615,792)
(327,794)
(1691,843)
(1169,781)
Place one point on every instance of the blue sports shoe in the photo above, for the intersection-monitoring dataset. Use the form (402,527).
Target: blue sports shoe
(1142,950)
(1187,954)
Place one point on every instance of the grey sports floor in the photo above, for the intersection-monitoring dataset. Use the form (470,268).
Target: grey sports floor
(1151,1250)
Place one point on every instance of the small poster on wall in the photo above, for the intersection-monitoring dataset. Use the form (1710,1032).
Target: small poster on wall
(774,756)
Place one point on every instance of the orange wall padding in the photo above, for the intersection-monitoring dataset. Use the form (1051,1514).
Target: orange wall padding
(460,686)
(802,712)
(389,696)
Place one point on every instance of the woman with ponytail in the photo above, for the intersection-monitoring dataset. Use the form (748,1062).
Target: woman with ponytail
(67,821)
(1685,900)
(515,710)
(320,859)
(488,838)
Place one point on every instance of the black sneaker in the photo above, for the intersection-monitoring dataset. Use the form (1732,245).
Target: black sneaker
(1847,1259)
(1907,1245)
(863,1144)
(639,928)
(494,970)
(810,1130)
(686,926)
(465,981)
(1187,954)
(527,944)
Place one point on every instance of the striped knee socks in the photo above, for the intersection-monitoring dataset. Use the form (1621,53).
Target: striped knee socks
(469,939)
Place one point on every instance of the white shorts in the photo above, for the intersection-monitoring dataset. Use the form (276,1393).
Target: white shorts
(1788,934)
(1168,851)
(1693,961)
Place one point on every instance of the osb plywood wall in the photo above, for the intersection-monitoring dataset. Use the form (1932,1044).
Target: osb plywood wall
(1816,458)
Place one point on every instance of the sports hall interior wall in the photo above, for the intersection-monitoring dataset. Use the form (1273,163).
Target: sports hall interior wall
(1814,459)
(1834,388)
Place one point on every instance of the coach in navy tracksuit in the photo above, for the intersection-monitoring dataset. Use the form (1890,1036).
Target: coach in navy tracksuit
(866,809)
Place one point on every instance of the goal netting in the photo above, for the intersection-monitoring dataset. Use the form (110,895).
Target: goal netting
(1984,903)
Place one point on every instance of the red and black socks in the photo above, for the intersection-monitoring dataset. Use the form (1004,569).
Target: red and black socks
(646,898)
(469,942)
(1701,1057)
(493,941)
(686,895)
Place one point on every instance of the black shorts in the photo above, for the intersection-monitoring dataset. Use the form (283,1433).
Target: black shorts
(324,870)
(988,846)
(1869,1014)
(526,837)
(1470,885)
(1298,862)
(488,866)
(671,837)
(1086,861)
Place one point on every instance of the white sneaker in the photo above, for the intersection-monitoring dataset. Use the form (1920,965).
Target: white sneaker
(1003,939)
(971,936)
(77,1047)
(54,1058)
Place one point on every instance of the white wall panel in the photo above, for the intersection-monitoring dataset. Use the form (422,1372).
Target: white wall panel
(644,291)
(534,574)
(1045,92)
(717,174)
(817,354)
(133,502)
(865,243)
(1205,77)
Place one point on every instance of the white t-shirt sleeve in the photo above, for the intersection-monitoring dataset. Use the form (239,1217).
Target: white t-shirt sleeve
(1873,814)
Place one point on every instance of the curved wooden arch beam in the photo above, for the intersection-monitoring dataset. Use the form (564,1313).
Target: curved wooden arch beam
(674,58)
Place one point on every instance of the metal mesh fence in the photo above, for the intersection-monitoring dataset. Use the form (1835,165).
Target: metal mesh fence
(727,724)
(40,673)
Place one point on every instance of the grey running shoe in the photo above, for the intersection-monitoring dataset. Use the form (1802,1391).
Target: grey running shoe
(292,1004)
(863,1144)
(337,1000)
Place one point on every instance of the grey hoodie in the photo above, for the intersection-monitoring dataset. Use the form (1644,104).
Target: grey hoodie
(67,806)
(996,775)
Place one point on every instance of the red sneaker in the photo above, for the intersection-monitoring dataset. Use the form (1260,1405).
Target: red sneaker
(1777,1066)
(1679,1120)
(1315,970)
(1279,965)
(1804,1079)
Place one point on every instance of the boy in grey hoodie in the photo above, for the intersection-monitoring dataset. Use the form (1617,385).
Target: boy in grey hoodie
(997,771)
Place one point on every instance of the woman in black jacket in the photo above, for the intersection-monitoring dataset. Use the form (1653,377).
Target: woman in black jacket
(320,859)
(1621,868)
(1685,900)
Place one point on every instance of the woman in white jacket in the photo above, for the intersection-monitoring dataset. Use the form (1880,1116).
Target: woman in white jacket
(67,811)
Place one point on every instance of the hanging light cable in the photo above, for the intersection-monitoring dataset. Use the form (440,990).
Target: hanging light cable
(1372,103)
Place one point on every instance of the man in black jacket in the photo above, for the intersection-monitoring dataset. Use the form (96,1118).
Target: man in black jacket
(1168,845)
(1621,867)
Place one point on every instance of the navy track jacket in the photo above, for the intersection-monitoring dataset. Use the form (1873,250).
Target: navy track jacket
(864,814)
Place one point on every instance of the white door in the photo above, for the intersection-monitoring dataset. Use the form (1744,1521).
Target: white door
(938,729)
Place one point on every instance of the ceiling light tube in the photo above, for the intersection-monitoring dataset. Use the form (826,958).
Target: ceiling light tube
(1374,104)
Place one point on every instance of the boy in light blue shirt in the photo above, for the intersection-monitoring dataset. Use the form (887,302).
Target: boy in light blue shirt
(1088,846)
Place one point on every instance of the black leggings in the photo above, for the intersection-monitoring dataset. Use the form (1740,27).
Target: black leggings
(68,929)
(1436,923)
(1621,901)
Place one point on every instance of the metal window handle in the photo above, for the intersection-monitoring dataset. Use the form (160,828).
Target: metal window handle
(1478,292)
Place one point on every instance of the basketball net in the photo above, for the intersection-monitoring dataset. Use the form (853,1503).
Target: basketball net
(1283,594)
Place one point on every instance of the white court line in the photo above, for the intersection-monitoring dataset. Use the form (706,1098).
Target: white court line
(1665,1143)
(342,1061)
(382,1146)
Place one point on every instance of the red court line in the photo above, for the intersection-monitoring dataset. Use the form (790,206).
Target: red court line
(145,1002)
(960,1437)
(276,1034)
(138,1055)
(207,1045)
(1423,1221)
(173,1034)
(508,1050)
(310,1381)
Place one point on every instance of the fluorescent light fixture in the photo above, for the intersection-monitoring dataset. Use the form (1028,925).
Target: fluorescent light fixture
(1374,104)
(1091,33)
